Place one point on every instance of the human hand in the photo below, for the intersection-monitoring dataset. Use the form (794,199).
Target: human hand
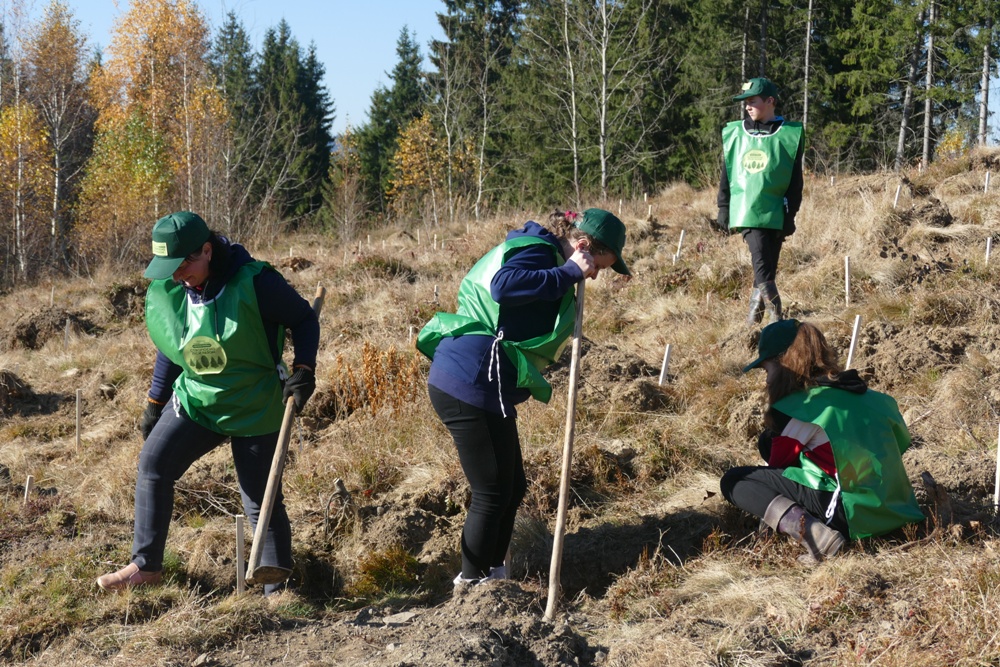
(582,258)
(300,386)
(150,416)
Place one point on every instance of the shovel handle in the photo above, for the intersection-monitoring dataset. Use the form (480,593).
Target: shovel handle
(277,468)
(555,567)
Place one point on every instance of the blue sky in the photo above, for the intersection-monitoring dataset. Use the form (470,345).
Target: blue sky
(355,39)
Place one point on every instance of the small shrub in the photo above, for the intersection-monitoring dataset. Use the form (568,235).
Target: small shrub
(388,571)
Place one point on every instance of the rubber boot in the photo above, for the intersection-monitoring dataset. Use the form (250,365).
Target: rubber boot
(772,301)
(756,307)
(790,518)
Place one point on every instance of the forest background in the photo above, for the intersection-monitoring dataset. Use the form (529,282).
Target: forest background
(526,103)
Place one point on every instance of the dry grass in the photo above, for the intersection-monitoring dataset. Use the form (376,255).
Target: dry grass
(709,590)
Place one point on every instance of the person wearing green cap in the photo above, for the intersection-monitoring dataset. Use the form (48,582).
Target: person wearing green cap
(833,447)
(760,189)
(218,319)
(516,310)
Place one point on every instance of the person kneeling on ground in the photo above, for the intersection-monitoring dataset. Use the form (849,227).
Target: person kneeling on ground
(833,448)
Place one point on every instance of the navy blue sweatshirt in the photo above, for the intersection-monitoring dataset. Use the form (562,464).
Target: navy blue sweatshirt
(279,304)
(529,288)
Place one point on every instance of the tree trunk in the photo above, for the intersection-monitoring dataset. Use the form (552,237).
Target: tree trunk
(602,111)
(574,139)
(928,88)
(763,39)
(805,79)
(911,82)
(984,102)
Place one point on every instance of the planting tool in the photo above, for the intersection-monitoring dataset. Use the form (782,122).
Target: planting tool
(557,542)
(270,574)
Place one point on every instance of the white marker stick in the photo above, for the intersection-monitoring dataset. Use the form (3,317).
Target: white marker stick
(854,341)
(996,482)
(989,248)
(77,421)
(666,363)
(680,242)
(847,280)
(29,484)
(986,186)
(895,201)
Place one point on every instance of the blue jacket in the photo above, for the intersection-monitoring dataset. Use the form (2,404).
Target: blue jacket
(279,304)
(528,287)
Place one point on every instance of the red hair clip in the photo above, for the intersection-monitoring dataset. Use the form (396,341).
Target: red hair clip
(571,216)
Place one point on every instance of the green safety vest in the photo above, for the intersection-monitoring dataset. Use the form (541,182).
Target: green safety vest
(229,382)
(479,315)
(759,169)
(868,437)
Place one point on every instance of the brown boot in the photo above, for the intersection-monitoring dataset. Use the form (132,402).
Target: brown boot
(130,575)
(793,520)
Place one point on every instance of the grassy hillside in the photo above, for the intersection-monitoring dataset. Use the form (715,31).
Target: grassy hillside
(657,570)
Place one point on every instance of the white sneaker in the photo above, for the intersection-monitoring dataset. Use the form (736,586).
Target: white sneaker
(462,581)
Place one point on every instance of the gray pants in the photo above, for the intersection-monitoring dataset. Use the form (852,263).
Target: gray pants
(175,443)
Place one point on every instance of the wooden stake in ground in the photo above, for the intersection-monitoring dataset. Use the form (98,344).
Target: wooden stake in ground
(241,581)
(896,200)
(854,340)
(557,542)
(266,574)
(989,247)
(29,484)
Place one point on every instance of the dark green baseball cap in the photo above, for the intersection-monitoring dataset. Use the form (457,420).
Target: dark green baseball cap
(175,236)
(760,86)
(774,339)
(604,227)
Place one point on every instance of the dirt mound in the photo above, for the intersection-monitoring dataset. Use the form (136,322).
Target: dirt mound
(31,331)
(894,356)
(128,300)
(14,392)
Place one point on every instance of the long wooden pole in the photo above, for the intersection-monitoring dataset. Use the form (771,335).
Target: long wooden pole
(557,543)
(272,575)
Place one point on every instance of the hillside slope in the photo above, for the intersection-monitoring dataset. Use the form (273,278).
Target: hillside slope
(657,569)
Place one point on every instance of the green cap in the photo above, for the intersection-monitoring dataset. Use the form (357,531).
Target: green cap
(604,227)
(761,86)
(774,339)
(175,236)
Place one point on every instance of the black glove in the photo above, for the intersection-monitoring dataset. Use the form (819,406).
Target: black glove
(721,223)
(299,386)
(764,444)
(150,416)
(788,228)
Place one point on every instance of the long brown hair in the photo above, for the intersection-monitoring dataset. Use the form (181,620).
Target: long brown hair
(807,359)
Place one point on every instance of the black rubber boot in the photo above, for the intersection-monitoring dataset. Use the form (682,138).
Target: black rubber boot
(756,307)
(772,301)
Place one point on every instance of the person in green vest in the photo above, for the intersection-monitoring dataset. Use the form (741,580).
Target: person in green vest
(834,448)
(516,311)
(218,320)
(760,189)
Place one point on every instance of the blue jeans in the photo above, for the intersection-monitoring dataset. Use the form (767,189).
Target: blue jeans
(175,443)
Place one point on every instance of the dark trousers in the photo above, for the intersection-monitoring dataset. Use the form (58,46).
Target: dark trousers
(752,488)
(490,453)
(765,248)
(175,443)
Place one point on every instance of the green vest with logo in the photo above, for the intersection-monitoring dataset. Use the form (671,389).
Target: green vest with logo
(479,315)
(229,382)
(759,169)
(868,437)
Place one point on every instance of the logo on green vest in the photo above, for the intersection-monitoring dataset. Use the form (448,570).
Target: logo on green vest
(754,161)
(204,356)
